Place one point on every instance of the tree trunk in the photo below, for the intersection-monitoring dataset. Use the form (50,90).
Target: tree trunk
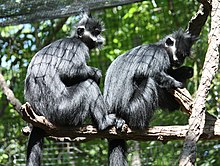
(197,118)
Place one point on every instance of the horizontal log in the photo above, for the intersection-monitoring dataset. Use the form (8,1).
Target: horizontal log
(89,132)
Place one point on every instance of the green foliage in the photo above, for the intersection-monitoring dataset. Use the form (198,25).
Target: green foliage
(126,27)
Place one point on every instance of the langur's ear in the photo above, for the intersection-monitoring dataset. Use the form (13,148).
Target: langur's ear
(80,31)
(169,42)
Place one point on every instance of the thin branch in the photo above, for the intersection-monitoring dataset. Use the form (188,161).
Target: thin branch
(184,98)
(9,94)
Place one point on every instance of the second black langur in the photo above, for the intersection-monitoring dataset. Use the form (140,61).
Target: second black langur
(60,85)
(138,82)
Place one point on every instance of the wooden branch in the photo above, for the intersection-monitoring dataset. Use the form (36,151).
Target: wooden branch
(9,94)
(198,21)
(88,132)
(184,98)
(197,118)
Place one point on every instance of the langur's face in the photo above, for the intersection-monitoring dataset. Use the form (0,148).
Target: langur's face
(89,31)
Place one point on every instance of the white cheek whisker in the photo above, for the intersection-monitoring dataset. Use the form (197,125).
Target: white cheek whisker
(172,49)
(86,33)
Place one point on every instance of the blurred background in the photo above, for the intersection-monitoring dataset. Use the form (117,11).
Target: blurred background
(125,27)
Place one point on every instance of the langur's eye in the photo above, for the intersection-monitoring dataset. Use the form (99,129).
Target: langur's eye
(97,32)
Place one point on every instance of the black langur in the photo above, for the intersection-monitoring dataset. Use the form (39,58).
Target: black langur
(60,86)
(138,82)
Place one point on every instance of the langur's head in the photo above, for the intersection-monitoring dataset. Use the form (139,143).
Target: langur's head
(89,31)
(178,46)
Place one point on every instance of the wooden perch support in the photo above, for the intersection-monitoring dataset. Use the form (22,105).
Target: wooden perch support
(184,98)
(88,132)
(197,120)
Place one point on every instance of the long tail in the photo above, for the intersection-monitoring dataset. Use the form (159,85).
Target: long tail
(34,148)
(117,152)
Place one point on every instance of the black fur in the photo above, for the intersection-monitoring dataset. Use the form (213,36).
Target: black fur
(35,146)
(60,85)
(138,81)
(166,99)
(117,152)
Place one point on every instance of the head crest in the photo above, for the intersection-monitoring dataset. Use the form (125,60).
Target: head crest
(89,22)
